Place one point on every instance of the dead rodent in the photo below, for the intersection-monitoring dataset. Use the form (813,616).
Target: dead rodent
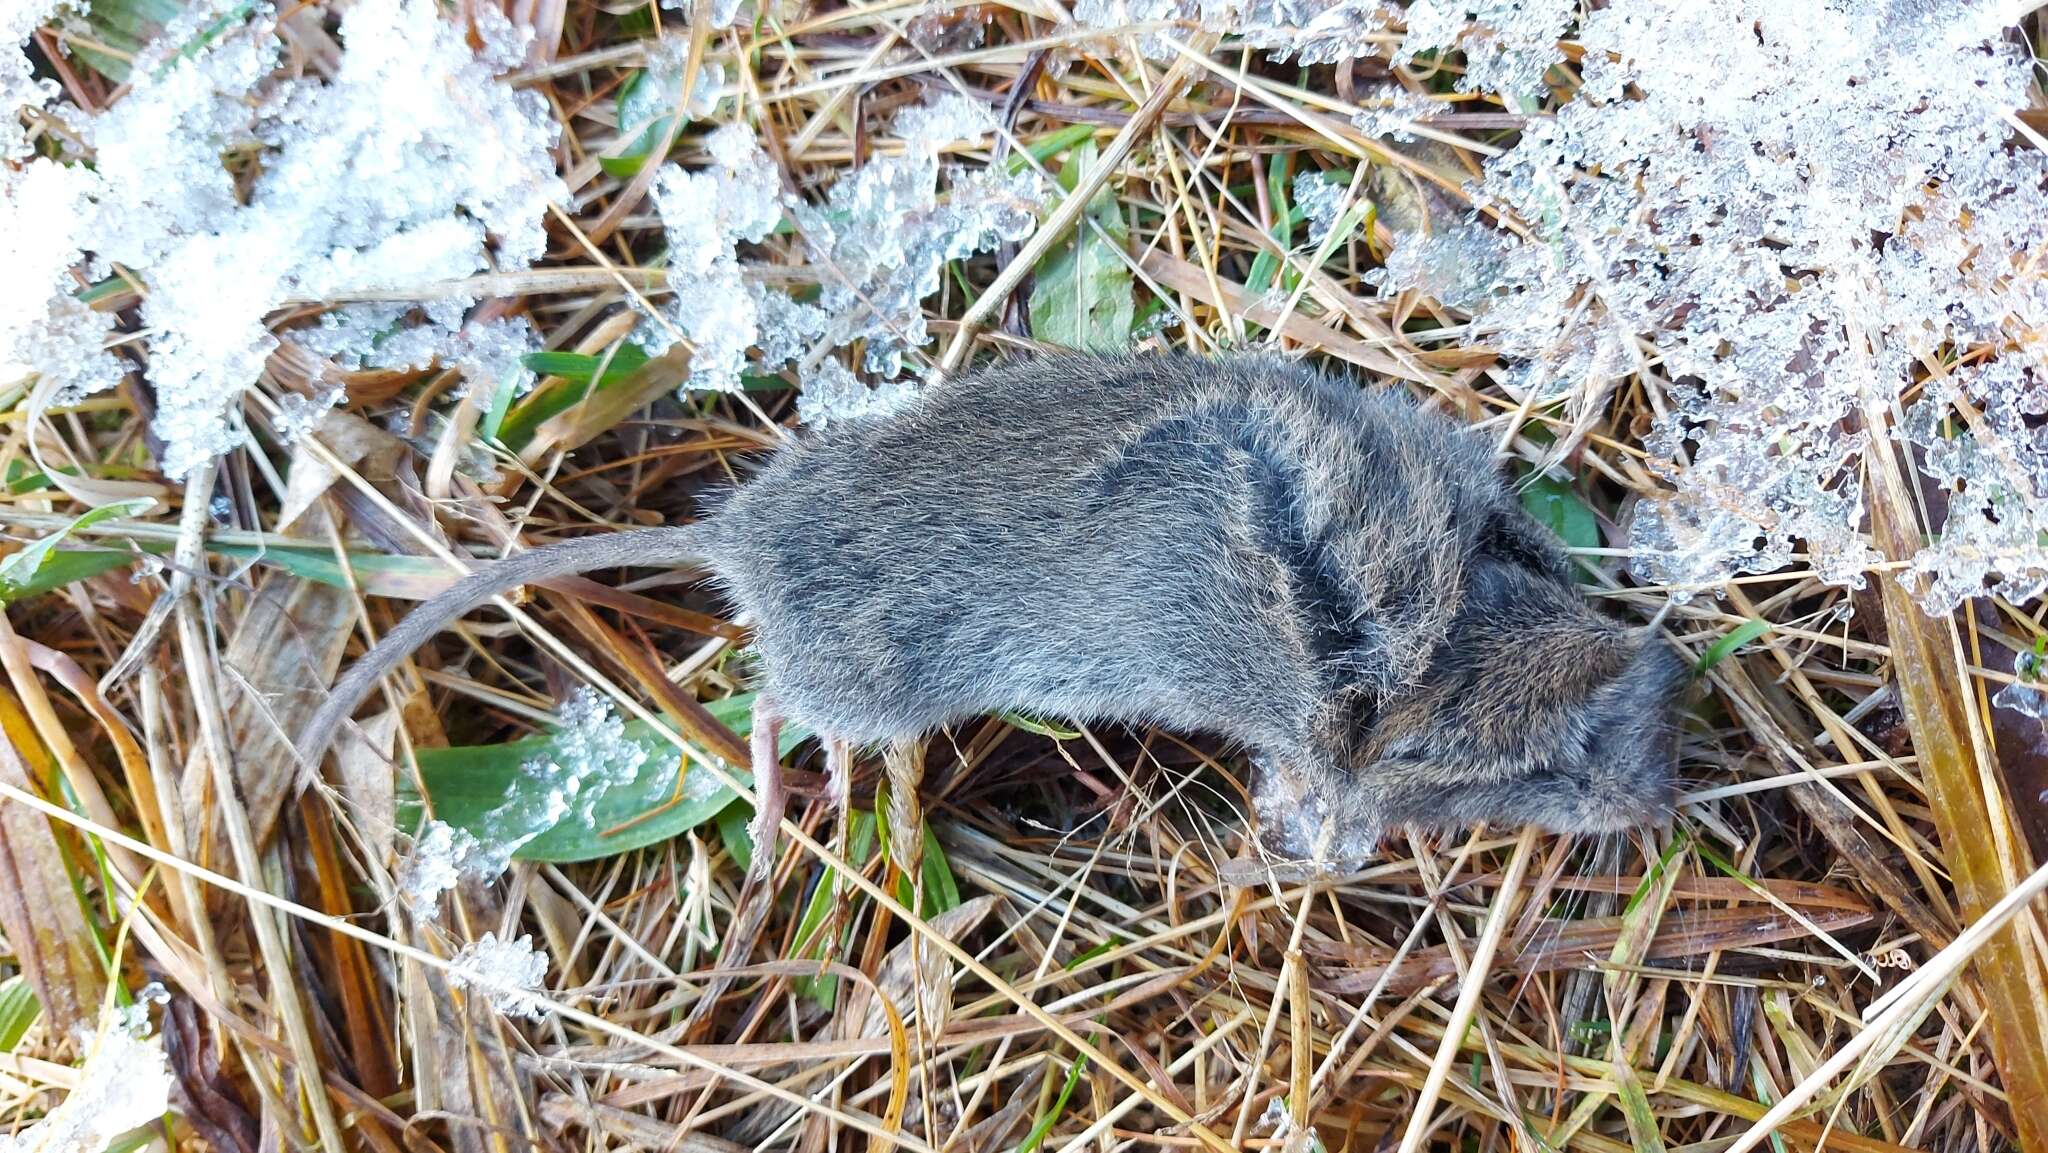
(1324,572)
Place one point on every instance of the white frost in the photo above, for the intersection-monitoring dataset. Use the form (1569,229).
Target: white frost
(883,237)
(124,1085)
(723,12)
(511,973)
(413,165)
(1508,44)
(706,215)
(832,392)
(19,87)
(1392,111)
(1315,31)
(1321,200)
(589,755)
(441,857)
(2027,700)
(1794,214)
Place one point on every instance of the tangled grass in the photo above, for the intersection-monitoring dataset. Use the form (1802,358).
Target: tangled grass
(1078,959)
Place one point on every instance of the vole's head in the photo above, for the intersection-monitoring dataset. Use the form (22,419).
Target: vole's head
(1537,709)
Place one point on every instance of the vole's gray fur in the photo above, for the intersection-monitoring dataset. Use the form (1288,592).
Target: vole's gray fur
(1331,576)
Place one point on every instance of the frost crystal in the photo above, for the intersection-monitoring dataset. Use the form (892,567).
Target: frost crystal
(944,119)
(396,173)
(2027,700)
(1116,15)
(124,1085)
(1315,31)
(1459,267)
(1992,469)
(660,88)
(883,237)
(2025,695)
(789,327)
(19,87)
(1392,111)
(706,214)
(441,857)
(1795,214)
(489,354)
(1509,44)
(43,329)
(1321,200)
(589,756)
(831,392)
(723,12)
(510,973)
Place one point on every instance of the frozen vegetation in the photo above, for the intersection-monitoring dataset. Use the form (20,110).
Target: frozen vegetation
(511,974)
(411,165)
(124,1085)
(589,754)
(1779,214)
(1786,215)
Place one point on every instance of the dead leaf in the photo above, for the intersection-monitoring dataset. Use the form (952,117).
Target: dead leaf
(276,671)
(351,439)
(41,920)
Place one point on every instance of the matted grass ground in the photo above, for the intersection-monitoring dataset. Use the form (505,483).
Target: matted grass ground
(1854,803)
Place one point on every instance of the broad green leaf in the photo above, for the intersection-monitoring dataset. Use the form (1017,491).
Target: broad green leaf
(501,403)
(125,27)
(1737,637)
(136,1138)
(577,371)
(25,478)
(18,1010)
(19,571)
(736,830)
(1043,1125)
(1644,1130)
(1555,505)
(649,102)
(1081,959)
(1081,297)
(941,891)
(646,107)
(1276,187)
(1047,147)
(467,783)
(582,367)
(66,566)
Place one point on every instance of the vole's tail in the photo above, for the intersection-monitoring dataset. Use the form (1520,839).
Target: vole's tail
(665,547)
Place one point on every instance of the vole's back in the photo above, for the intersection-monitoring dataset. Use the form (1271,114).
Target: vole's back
(1215,545)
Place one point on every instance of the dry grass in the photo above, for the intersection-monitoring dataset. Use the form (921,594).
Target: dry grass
(1105,981)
